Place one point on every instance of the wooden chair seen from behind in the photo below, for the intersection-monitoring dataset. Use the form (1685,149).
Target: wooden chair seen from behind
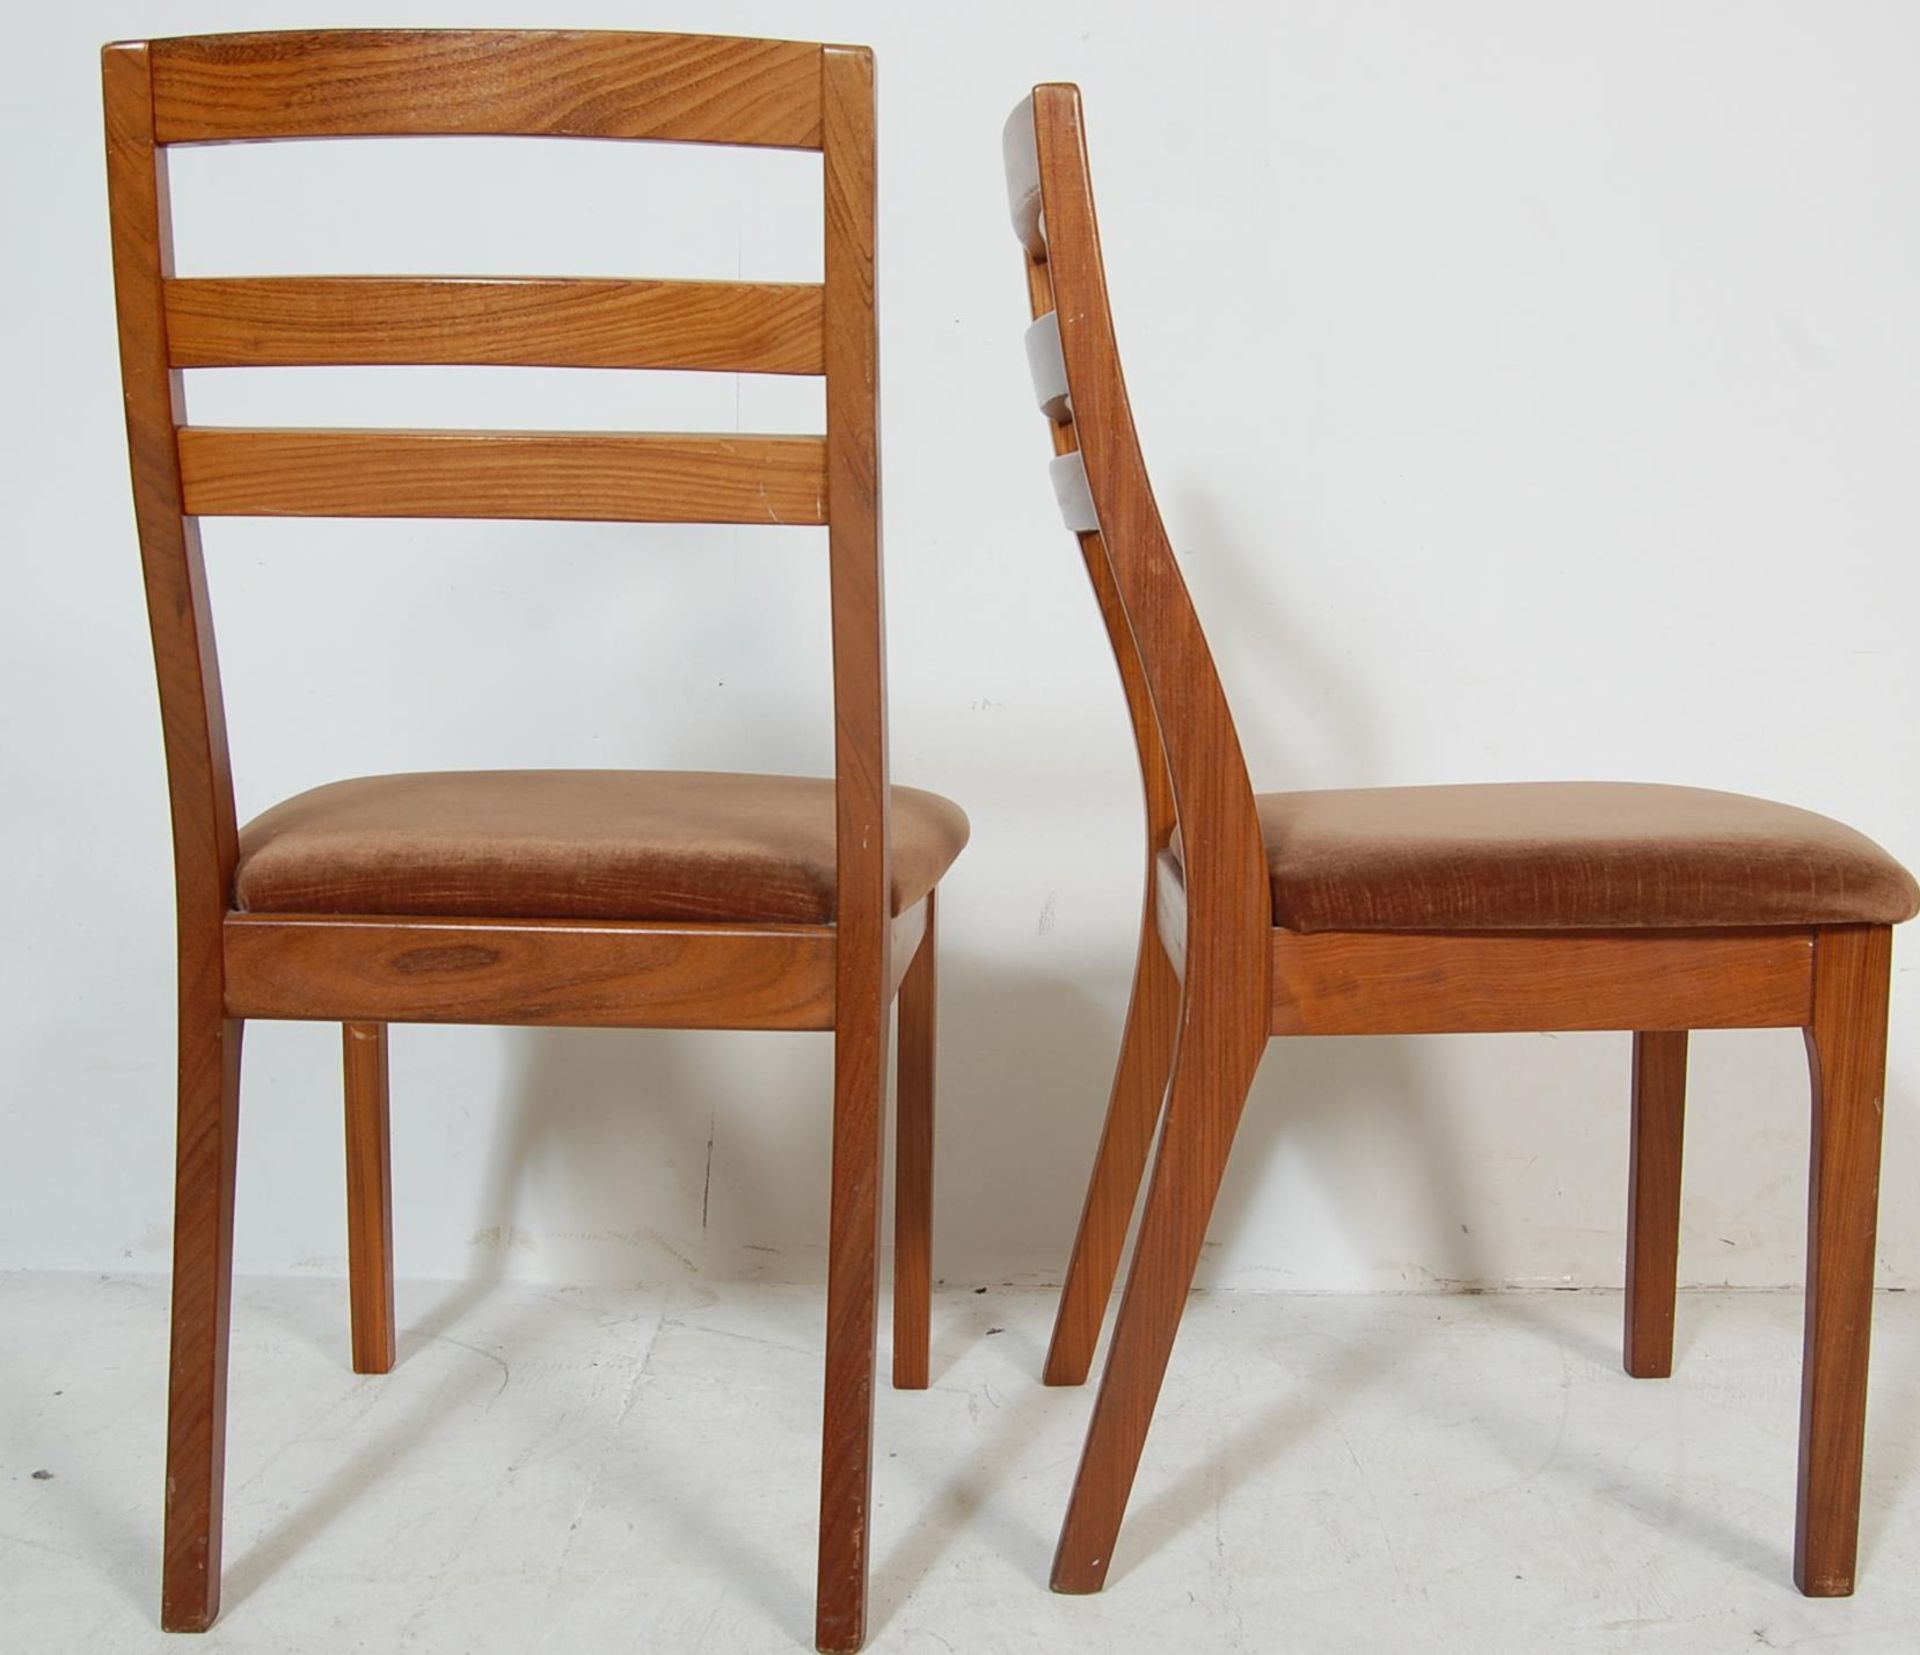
(633,899)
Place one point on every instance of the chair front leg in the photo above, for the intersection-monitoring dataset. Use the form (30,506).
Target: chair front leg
(1213,1066)
(853,1265)
(1847,1051)
(369,1197)
(209,1117)
(1653,1199)
(913,1164)
(1133,1116)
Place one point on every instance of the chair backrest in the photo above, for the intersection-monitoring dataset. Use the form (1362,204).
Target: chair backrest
(570,84)
(1190,760)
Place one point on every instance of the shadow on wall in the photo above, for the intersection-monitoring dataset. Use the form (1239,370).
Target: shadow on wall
(691,1168)
(702,1171)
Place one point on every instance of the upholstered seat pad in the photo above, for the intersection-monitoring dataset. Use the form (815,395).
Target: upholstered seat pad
(1568,856)
(577,844)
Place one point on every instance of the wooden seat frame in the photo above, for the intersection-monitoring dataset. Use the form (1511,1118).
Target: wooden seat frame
(366,972)
(1216,978)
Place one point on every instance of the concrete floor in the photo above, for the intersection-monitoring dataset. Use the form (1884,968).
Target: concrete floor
(589,1470)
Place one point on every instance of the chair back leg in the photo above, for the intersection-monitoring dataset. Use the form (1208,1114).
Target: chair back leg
(202,1310)
(853,1266)
(1213,1066)
(1847,1050)
(1133,1116)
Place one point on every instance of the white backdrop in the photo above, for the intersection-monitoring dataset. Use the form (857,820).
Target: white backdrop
(1534,391)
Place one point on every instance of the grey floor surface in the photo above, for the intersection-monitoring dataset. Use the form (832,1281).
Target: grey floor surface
(603,1470)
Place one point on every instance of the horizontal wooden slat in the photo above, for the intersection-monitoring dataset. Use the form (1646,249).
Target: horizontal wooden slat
(1384,983)
(531,83)
(532,322)
(591,476)
(529,972)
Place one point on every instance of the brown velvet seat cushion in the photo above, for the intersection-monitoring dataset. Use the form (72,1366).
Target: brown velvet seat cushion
(576,844)
(1556,856)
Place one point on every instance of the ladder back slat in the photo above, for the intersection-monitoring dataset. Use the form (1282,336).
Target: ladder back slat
(574,83)
(1071,492)
(1021,155)
(309,321)
(562,475)
(1047,363)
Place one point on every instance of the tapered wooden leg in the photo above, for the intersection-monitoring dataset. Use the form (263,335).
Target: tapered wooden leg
(1847,1050)
(853,1259)
(913,1164)
(1212,1069)
(369,1197)
(202,1306)
(1133,1115)
(1653,1199)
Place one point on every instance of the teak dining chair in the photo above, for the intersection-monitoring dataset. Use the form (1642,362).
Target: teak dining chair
(631,899)
(1423,910)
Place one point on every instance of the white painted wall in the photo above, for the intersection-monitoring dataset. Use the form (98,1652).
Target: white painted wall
(1534,392)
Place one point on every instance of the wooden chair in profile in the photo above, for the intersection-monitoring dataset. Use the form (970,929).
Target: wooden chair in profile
(1423,910)
(634,899)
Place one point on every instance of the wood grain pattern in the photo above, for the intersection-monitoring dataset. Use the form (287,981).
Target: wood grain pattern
(200,791)
(547,83)
(1146,1047)
(913,1165)
(1384,982)
(578,476)
(1653,1199)
(530,972)
(1222,1027)
(1237,976)
(1847,1053)
(1120,1161)
(205,1164)
(862,965)
(904,948)
(532,322)
(369,1196)
(368,972)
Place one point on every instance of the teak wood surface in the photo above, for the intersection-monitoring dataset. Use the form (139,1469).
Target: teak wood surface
(1217,977)
(368,972)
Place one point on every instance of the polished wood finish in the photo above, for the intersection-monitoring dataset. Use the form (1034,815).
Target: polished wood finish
(1146,1048)
(1653,1199)
(369,1196)
(913,1164)
(903,951)
(521,322)
(366,972)
(534,83)
(580,476)
(200,787)
(1365,982)
(1216,977)
(568,973)
(862,958)
(204,1169)
(1222,1025)
(1847,1052)
(1119,1164)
